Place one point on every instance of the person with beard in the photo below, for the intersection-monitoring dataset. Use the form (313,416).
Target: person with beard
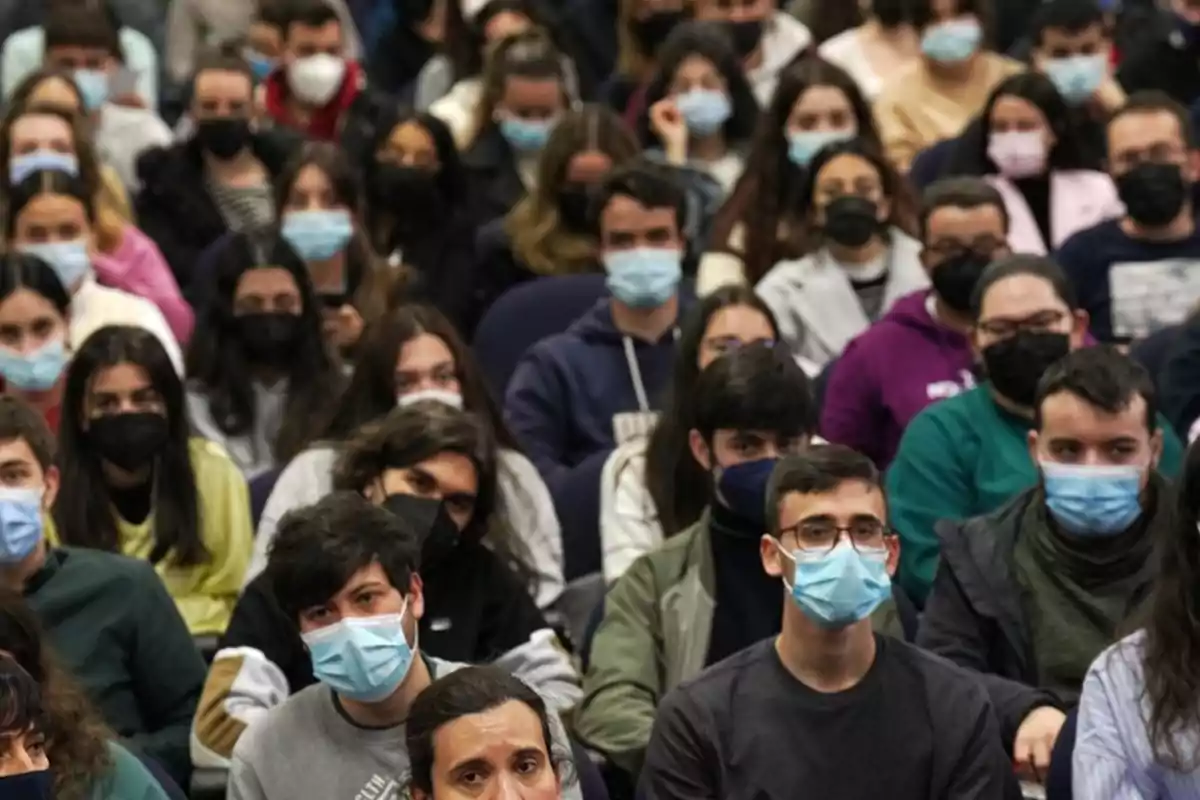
(860,255)
(261,378)
(751,407)
(135,482)
(882,45)
(766,39)
(1137,274)
(920,352)
(219,180)
(1030,594)
(552,230)
(968,455)
(417,211)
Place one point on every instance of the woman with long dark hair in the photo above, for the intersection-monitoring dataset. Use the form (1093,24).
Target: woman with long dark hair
(858,222)
(415,354)
(35,311)
(86,760)
(816,104)
(134,483)
(1139,715)
(260,374)
(652,489)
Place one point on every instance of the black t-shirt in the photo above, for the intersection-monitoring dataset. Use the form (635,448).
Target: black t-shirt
(914,728)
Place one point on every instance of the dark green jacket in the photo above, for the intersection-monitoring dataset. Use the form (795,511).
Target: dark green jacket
(112,624)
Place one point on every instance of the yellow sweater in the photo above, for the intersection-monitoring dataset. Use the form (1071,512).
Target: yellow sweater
(204,593)
(914,110)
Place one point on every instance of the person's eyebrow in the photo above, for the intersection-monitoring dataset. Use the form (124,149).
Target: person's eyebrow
(13,462)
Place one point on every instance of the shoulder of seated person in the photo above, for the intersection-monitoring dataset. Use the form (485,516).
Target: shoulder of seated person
(116,567)
(207,453)
(668,551)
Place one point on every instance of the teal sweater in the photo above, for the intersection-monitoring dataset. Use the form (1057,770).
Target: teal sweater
(959,458)
(113,626)
(127,780)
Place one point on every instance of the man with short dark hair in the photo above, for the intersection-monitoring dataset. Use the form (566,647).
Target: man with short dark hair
(1138,274)
(1072,45)
(84,41)
(801,710)
(578,394)
(317,85)
(920,352)
(1030,594)
(968,455)
(108,618)
(345,573)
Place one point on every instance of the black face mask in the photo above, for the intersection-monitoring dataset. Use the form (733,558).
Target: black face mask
(745,35)
(652,31)
(574,208)
(129,440)
(224,137)
(1153,194)
(1015,365)
(268,336)
(439,535)
(851,221)
(891,13)
(955,278)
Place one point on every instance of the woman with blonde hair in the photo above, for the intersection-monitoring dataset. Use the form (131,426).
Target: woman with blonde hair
(551,231)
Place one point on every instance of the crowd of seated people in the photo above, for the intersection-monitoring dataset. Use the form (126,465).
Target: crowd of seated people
(599,399)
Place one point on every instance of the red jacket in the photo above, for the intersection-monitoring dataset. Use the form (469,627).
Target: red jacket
(326,122)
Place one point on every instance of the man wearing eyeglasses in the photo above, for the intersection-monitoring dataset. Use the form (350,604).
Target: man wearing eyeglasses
(1029,595)
(829,708)
(969,455)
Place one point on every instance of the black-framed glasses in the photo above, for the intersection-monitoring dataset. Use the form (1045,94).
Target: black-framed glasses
(821,535)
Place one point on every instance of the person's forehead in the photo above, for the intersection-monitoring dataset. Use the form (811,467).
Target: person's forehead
(1064,37)
(490,735)
(265,280)
(821,98)
(848,499)
(223,82)
(121,377)
(411,137)
(52,208)
(588,166)
(1144,127)
(17,450)
(534,91)
(299,31)
(371,574)
(1066,415)
(40,126)
(951,221)
(1020,295)
(628,214)
(454,472)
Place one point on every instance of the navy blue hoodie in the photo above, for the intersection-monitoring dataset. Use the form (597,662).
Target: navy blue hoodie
(561,405)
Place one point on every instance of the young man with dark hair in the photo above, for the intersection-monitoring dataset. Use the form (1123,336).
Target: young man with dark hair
(1030,594)
(220,178)
(1137,274)
(427,463)
(578,394)
(84,41)
(799,709)
(108,618)
(317,85)
(1072,45)
(968,455)
(920,352)
(345,573)
(752,407)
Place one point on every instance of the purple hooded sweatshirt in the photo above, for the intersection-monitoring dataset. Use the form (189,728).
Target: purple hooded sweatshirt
(889,373)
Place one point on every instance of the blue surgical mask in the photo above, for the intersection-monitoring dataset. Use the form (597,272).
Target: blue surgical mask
(362,658)
(704,110)
(27,786)
(955,40)
(36,371)
(70,260)
(21,523)
(526,135)
(261,66)
(1093,500)
(839,587)
(803,146)
(22,166)
(644,277)
(317,235)
(742,488)
(93,86)
(1077,77)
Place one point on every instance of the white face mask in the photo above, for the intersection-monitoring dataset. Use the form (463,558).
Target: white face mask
(452,399)
(316,79)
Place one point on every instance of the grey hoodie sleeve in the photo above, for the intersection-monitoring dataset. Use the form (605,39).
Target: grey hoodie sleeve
(543,664)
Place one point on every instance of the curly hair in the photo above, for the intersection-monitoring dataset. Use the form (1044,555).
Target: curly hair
(76,739)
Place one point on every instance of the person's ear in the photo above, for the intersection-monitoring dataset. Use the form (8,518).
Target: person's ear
(1191,167)
(1031,441)
(927,260)
(892,544)
(416,597)
(885,209)
(772,558)
(52,482)
(1156,448)
(1079,328)
(700,450)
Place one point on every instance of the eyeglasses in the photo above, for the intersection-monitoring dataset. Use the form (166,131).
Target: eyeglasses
(820,535)
(1040,322)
